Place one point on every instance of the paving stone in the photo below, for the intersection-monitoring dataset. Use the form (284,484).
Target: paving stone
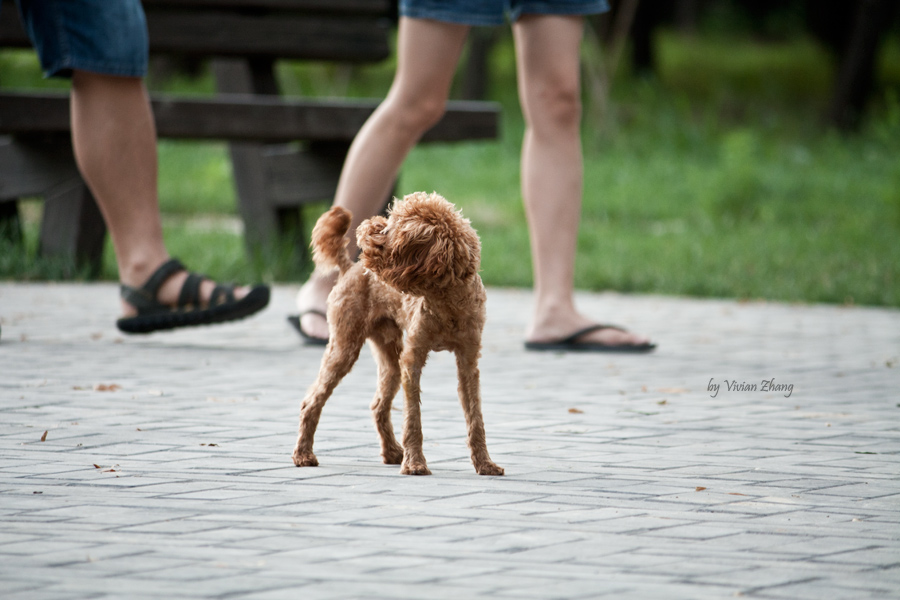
(659,487)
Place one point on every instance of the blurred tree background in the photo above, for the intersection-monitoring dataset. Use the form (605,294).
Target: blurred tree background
(733,148)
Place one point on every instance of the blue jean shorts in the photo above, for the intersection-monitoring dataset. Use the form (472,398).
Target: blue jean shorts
(101,36)
(496,12)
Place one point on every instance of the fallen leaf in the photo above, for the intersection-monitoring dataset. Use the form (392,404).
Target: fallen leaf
(96,336)
(96,466)
(699,488)
(735,494)
(576,411)
(643,388)
(663,402)
(78,387)
(110,471)
(44,437)
(212,444)
(673,390)
(138,429)
(102,387)
(43,492)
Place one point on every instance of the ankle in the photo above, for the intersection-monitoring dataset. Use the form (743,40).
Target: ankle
(551,310)
(136,271)
(314,293)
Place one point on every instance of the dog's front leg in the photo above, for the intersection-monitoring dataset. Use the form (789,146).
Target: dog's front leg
(411,363)
(470,398)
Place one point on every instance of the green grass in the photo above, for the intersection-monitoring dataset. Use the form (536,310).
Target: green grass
(716,178)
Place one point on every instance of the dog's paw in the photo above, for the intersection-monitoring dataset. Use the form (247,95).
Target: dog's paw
(392,456)
(305,459)
(489,468)
(414,469)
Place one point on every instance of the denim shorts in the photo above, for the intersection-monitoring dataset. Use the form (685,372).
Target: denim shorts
(496,12)
(101,36)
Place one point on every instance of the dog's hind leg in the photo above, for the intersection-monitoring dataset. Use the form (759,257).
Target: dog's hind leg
(337,362)
(470,398)
(387,344)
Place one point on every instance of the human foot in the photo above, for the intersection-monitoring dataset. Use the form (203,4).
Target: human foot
(586,336)
(172,297)
(312,299)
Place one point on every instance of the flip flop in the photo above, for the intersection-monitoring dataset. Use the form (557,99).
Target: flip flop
(571,343)
(308,340)
(153,315)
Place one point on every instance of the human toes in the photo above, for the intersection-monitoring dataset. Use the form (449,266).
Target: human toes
(615,337)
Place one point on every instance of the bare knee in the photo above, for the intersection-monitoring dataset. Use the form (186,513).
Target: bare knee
(554,108)
(415,114)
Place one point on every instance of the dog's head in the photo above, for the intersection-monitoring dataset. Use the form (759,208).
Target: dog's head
(424,245)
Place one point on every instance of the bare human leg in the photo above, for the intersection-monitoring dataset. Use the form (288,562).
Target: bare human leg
(427,55)
(114,138)
(547,51)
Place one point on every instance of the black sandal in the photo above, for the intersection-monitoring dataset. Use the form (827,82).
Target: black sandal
(155,316)
(571,344)
(309,340)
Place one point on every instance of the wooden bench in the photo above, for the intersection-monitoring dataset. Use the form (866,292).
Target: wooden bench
(273,176)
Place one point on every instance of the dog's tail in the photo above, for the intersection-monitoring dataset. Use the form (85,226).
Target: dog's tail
(329,240)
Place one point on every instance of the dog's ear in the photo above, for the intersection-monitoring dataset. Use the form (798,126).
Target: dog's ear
(453,256)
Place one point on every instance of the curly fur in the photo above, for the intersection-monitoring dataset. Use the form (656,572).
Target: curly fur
(422,247)
(418,274)
(329,240)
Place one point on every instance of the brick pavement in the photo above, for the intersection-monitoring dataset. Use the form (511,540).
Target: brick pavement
(178,481)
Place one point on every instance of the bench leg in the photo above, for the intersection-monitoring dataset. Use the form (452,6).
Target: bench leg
(262,222)
(72,226)
(10,224)
(260,218)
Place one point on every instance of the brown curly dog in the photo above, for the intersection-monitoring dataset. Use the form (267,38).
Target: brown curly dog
(418,274)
